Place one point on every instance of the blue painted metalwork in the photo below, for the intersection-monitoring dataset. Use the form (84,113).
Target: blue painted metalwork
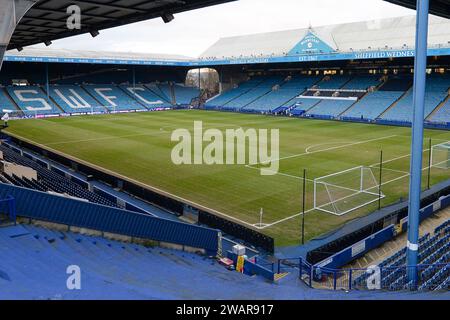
(359,55)
(358,249)
(10,202)
(420,65)
(58,209)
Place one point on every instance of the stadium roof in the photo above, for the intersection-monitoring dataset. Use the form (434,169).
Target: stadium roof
(391,33)
(437,7)
(46,20)
(95,55)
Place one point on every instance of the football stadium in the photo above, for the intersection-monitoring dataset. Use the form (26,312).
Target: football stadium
(311,163)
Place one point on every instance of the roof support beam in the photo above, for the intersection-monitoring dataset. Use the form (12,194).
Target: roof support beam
(415,182)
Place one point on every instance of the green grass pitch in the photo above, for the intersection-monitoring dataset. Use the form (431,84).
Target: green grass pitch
(138,146)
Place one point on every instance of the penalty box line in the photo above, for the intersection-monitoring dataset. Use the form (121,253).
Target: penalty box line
(405,174)
(326,149)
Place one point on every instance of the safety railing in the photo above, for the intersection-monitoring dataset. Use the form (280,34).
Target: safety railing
(8,208)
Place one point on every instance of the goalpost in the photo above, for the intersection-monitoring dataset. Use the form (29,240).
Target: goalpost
(345,191)
(440,155)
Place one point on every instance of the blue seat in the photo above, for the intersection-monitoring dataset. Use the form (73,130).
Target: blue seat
(32,100)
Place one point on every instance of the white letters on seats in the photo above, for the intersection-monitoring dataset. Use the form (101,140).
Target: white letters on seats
(75,101)
(133,92)
(107,98)
(45,105)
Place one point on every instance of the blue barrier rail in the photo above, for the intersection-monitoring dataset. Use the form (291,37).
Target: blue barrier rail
(58,209)
(8,206)
(358,249)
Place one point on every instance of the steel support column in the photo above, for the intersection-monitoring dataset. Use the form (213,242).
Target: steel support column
(420,66)
(11,12)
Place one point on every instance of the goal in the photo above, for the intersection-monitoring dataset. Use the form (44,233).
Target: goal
(345,191)
(440,155)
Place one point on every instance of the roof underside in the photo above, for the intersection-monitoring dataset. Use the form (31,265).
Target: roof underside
(437,7)
(46,21)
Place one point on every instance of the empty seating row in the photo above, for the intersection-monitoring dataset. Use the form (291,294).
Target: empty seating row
(5,102)
(184,95)
(33,257)
(333,82)
(113,97)
(32,100)
(433,269)
(223,100)
(73,99)
(437,88)
(145,96)
(48,180)
(373,104)
(443,113)
(362,82)
(330,107)
(273,100)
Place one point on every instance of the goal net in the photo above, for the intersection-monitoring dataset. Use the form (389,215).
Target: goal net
(345,191)
(440,155)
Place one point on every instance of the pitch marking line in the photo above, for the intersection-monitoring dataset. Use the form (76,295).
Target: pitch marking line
(161,131)
(118,175)
(327,149)
(324,144)
(312,209)
(405,174)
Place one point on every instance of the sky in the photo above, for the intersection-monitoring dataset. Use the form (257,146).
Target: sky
(191,33)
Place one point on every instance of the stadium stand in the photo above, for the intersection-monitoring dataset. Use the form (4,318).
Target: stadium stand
(153,87)
(280,97)
(400,83)
(73,99)
(5,101)
(145,96)
(112,269)
(362,82)
(223,100)
(333,82)
(113,97)
(184,95)
(166,91)
(330,107)
(121,270)
(48,180)
(373,104)
(253,94)
(436,91)
(273,100)
(434,268)
(32,100)
(443,113)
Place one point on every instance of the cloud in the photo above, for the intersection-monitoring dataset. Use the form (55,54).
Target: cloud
(191,33)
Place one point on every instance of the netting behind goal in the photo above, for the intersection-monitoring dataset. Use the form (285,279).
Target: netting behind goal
(440,155)
(345,191)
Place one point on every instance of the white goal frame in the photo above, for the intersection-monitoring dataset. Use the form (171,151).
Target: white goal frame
(441,164)
(373,192)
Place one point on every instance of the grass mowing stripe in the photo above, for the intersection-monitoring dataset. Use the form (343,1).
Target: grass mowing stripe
(133,145)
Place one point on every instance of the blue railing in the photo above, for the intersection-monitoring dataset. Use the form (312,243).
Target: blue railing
(8,207)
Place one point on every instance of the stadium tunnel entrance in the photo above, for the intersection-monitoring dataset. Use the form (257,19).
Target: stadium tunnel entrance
(206,79)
